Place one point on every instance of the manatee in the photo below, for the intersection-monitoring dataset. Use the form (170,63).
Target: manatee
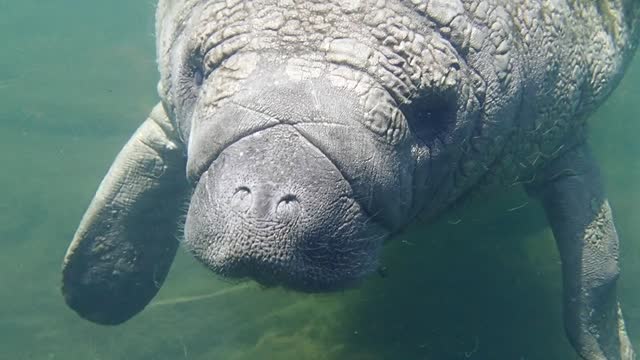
(303,134)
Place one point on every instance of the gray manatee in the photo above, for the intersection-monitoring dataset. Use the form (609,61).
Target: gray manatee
(302,134)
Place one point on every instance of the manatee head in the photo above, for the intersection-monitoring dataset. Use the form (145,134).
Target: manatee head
(309,141)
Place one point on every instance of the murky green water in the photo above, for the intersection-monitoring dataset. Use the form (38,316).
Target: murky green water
(76,78)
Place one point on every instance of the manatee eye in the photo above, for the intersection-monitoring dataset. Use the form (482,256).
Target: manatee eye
(198,76)
(431,116)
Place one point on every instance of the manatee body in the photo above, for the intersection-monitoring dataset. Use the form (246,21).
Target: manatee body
(305,133)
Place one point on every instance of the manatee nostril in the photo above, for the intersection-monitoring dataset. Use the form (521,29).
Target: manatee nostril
(288,199)
(287,206)
(241,199)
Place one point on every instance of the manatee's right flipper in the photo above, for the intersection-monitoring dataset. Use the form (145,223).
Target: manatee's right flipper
(126,241)
(573,197)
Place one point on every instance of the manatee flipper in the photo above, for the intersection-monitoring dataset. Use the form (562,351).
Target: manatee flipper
(574,200)
(126,241)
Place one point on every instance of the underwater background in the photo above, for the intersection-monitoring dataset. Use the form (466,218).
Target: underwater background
(481,282)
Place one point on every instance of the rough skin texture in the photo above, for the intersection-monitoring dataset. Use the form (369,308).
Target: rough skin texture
(525,74)
(313,130)
(125,244)
(572,194)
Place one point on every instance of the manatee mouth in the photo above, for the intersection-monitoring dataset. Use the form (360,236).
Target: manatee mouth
(272,207)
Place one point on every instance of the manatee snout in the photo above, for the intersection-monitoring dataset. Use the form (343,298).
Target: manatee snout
(274,208)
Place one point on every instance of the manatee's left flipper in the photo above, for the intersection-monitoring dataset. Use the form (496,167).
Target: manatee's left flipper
(573,197)
(126,241)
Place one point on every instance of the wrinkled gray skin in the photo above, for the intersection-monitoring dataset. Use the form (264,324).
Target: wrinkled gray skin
(310,131)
